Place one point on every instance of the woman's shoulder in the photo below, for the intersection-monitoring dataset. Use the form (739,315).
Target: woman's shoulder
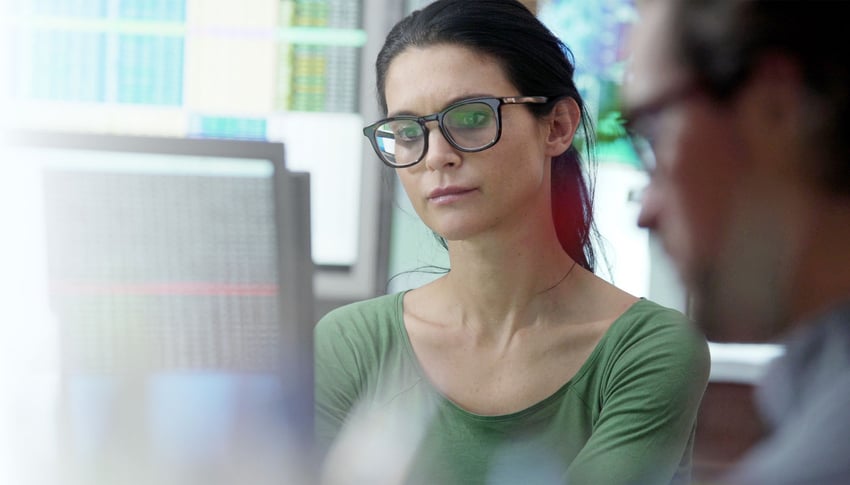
(649,350)
(361,348)
(647,316)
(648,326)
(365,317)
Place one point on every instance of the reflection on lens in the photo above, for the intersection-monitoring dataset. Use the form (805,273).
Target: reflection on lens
(400,141)
(385,139)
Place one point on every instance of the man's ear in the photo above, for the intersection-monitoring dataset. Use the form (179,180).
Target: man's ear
(563,121)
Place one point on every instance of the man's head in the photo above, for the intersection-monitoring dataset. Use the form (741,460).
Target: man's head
(745,104)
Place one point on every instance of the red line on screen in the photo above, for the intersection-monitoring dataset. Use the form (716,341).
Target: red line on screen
(163,288)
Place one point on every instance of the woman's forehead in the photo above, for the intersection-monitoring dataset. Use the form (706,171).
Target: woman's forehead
(437,74)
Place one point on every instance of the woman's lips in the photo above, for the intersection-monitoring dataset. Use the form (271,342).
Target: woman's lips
(447,195)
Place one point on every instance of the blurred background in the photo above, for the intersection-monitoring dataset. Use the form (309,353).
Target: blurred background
(185,190)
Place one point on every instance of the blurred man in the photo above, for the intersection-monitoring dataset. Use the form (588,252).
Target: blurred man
(740,111)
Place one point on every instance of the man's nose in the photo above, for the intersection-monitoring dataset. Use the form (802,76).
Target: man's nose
(650,204)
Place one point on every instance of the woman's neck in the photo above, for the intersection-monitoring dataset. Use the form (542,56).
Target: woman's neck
(512,285)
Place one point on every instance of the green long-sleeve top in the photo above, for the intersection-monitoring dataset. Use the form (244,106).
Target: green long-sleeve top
(626,417)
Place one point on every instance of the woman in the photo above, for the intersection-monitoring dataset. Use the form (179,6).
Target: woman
(518,364)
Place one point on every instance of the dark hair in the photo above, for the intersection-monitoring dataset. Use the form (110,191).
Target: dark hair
(537,63)
(721,41)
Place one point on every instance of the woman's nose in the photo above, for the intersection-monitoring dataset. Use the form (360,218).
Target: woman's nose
(440,152)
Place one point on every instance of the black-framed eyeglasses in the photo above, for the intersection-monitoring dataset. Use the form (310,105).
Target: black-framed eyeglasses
(470,125)
(643,122)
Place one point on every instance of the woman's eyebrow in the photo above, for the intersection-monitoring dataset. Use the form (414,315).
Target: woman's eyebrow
(451,101)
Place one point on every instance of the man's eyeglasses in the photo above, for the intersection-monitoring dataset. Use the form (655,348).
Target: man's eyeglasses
(471,125)
(643,123)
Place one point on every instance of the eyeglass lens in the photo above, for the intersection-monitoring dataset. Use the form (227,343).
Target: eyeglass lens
(469,126)
(644,151)
(643,131)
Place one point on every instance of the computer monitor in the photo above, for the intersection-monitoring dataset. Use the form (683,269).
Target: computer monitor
(179,284)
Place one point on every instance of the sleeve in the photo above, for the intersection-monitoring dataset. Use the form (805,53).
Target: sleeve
(651,393)
(337,377)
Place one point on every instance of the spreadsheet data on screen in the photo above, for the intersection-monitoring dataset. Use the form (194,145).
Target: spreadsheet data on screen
(279,70)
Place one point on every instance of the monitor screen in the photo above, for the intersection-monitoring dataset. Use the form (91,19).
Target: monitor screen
(175,278)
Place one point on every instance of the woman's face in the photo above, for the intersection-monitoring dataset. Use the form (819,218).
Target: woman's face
(462,195)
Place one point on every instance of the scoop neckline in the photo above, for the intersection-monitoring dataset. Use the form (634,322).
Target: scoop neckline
(534,408)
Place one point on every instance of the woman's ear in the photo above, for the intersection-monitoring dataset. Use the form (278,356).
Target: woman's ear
(562,124)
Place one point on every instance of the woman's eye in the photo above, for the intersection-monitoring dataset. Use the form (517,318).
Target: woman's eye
(407,132)
(470,119)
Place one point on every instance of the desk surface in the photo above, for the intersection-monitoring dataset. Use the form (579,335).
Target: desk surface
(741,363)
